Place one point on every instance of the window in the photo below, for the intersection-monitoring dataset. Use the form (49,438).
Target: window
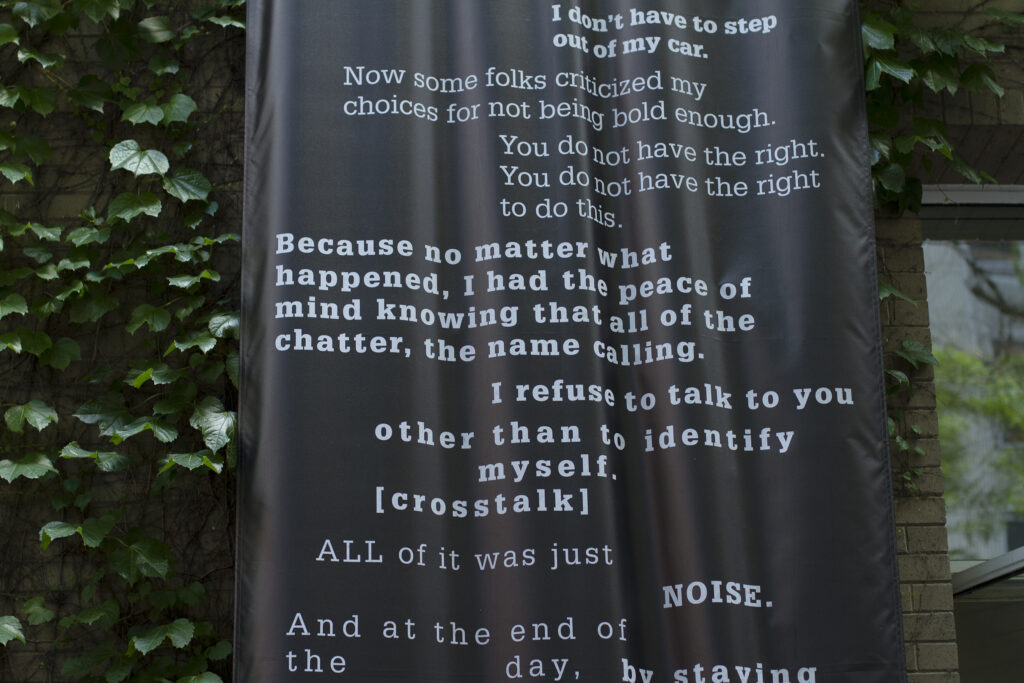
(974,264)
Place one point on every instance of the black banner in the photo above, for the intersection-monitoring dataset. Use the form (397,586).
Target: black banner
(561,355)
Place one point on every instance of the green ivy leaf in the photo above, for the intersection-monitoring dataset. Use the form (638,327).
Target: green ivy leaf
(41,100)
(35,412)
(106,614)
(180,632)
(1010,18)
(46,233)
(144,112)
(227,22)
(216,424)
(186,281)
(11,341)
(978,76)
(892,177)
(17,172)
(128,155)
(13,304)
(37,12)
(886,290)
(877,33)
(155,317)
(178,109)
(200,339)
(37,254)
(189,461)
(73,450)
(222,650)
(94,530)
(161,431)
(72,264)
(98,9)
(214,462)
(31,467)
(9,96)
(8,34)
(224,325)
(141,378)
(92,307)
(33,342)
(983,46)
(143,557)
(948,41)
(127,206)
(156,30)
(92,93)
(916,353)
(119,671)
(939,74)
(104,412)
(47,272)
(210,372)
(35,610)
(165,374)
(10,629)
(83,236)
(149,640)
(181,398)
(960,165)
(61,354)
(35,148)
(900,377)
(46,60)
(890,64)
(188,185)
(52,531)
(111,462)
(164,64)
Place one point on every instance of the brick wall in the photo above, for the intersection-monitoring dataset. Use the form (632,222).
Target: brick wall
(929,626)
(927,594)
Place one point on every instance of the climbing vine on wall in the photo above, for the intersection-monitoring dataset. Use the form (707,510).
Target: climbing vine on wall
(120,136)
(905,62)
(120,129)
(907,66)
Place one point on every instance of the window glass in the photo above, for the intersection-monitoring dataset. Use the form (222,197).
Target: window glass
(976,306)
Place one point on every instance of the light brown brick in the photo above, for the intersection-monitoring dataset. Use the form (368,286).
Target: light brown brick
(911,313)
(926,422)
(905,230)
(936,626)
(901,539)
(905,258)
(911,653)
(944,677)
(933,597)
(916,567)
(927,539)
(920,511)
(937,657)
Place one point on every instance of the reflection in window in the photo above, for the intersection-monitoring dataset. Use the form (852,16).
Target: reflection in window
(976,305)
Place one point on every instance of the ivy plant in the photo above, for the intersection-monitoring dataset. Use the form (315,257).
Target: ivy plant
(907,65)
(120,125)
(120,139)
(905,62)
